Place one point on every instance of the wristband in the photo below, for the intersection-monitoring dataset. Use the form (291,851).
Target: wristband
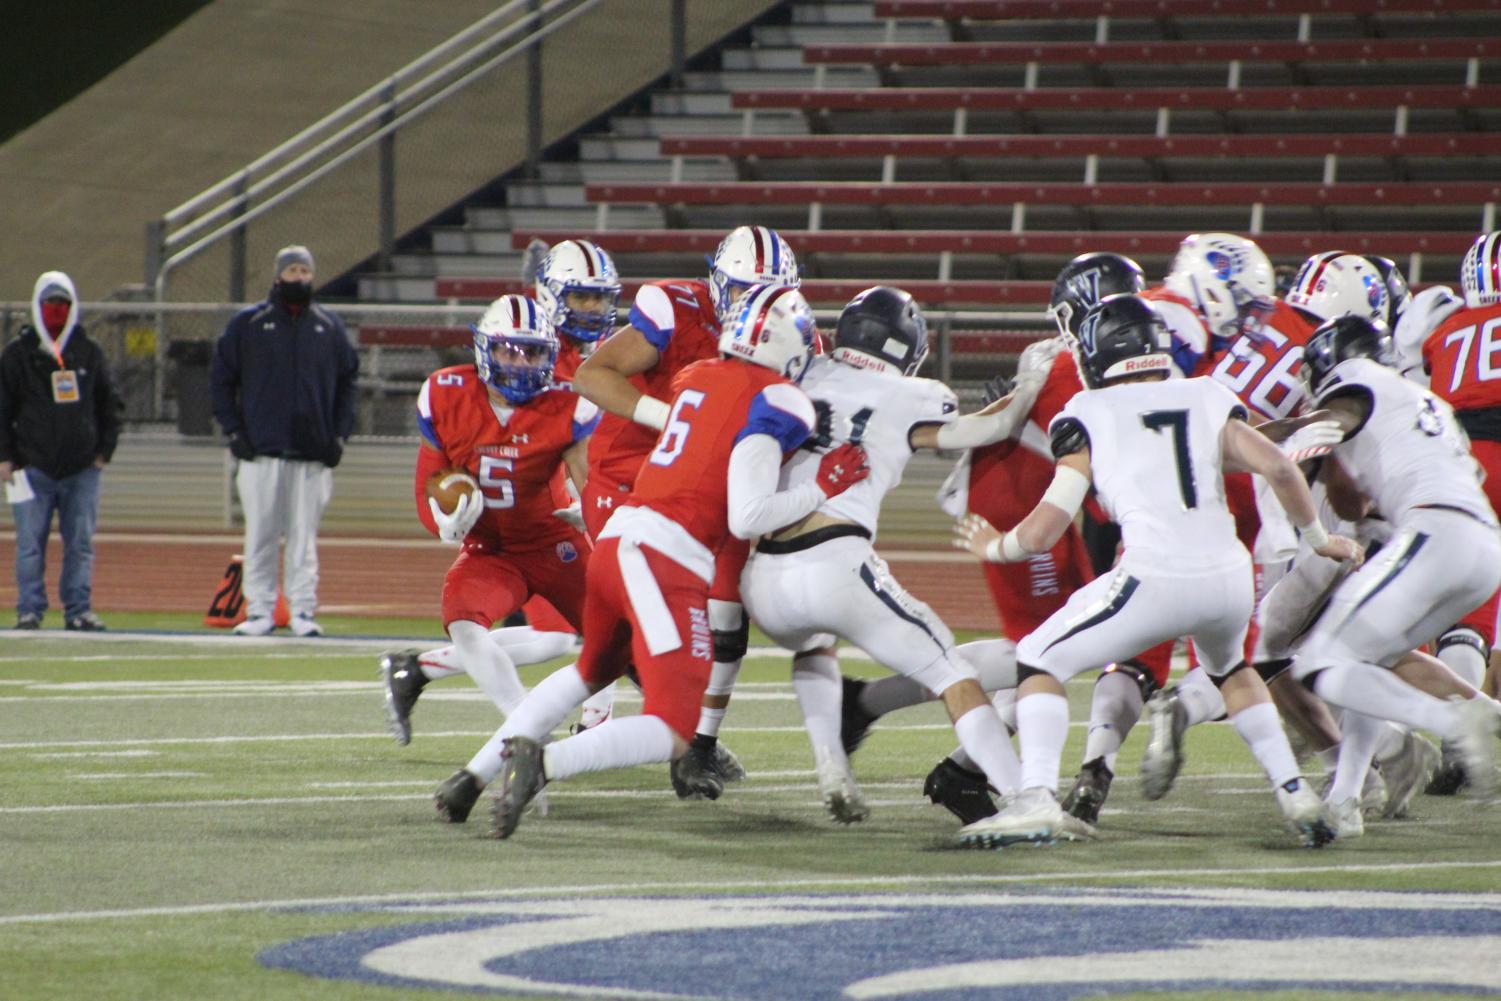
(993,552)
(1011,548)
(1314,534)
(651,411)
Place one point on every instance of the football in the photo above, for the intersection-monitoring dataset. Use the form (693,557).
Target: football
(446,486)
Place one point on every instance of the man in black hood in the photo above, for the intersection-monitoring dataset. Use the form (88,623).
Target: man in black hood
(59,423)
(283,383)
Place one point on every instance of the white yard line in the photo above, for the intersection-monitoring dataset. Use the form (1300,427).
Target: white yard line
(755,884)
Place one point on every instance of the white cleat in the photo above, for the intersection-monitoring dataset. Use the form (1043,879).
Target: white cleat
(305,626)
(1306,815)
(1346,819)
(1476,743)
(259,625)
(1407,772)
(841,796)
(1033,817)
(1163,756)
(1374,795)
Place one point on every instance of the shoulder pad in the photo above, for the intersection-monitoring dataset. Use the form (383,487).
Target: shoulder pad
(1068,436)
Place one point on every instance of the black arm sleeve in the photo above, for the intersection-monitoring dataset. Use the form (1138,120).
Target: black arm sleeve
(1068,436)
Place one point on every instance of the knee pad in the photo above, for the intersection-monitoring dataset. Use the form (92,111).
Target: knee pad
(1270,670)
(730,644)
(1219,681)
(1143,678)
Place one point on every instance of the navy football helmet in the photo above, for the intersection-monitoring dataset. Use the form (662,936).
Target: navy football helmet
(1122,335)
(1086,280)
(1398,295)
(1341,339)
(882,325)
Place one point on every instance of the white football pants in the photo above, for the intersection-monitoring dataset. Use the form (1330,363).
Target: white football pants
(283,499)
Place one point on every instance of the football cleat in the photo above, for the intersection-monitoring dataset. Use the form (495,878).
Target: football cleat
(1090,789)
(1373,797)
(1163,758)
(960,791)
(521,779)
(1449,777)
(1406,772)
(1305,813)
(702,772)
(1347,819)
(403,680)
(1033,817)
(854,721)
(1476,743)
(841,796)
(457,796)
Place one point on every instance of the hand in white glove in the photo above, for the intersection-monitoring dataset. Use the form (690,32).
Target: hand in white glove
(1313,440)
(574,515)
(1038,356)
(453,527)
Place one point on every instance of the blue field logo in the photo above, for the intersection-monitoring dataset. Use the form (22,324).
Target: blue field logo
(1037,945)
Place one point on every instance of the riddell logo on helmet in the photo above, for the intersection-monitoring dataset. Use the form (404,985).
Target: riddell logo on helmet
(1150,363)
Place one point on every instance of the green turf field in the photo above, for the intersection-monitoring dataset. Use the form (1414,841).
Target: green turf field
(194,818)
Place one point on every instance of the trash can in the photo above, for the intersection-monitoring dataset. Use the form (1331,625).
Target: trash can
(195,405)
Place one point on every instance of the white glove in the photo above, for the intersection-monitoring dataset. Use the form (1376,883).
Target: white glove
(573,514)
(1038,356)
(1313,440)
(453,527)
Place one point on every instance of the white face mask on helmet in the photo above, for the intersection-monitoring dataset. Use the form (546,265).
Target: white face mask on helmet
(1480,273)
(750,255)
(1336,284)
(1228,279)
(578,267)
(515,348)
(771,326)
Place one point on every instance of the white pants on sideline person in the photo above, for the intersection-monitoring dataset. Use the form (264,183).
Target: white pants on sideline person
(283,499)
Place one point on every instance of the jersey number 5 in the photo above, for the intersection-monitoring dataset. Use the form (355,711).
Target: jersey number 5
(499,493)
(675,435)
(1177,421)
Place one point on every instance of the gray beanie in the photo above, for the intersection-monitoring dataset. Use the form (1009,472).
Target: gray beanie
(295,254)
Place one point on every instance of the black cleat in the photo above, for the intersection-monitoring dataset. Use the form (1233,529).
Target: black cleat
(457,796)
(521,779)
(702,772)
(1449,777)
(854,721)
(403,680)
(1090,789)
(958,790)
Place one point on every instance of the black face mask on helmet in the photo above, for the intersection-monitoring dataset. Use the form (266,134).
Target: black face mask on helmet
(295,293)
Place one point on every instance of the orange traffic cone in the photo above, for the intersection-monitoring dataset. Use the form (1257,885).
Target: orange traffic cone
(227,610)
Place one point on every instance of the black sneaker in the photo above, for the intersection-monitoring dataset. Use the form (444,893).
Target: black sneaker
(28,620)
(854,721)
(403,680)
(84,622)
(958,790)
(457,796)
(521,779)
(1090,789)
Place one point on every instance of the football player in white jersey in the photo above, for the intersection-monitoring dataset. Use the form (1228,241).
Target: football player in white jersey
(820,576)
(1155,451)
(1405,453)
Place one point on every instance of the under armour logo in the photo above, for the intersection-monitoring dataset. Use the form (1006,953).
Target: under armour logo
(836,472)
(268,326)
(604,502)
(520,438)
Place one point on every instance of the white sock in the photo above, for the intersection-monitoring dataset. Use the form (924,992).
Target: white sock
(993,660)
(1113,711)
(440,663)
(958,757)
(721,682)
(616,743)
(544,708)
(986,743)
(893,692)
(1377,692)
(1390,739)
(1200,697)
(1329,757)
(598,706)
(1005,707)
(1261,728)
(816,681)
(1463,659)
(526,645)
(1361,734)
(489,665)
(1043,720)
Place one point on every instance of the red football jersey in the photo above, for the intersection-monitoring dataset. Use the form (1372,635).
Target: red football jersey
(678,319)
(1263,371)
(1463,357)
(570,357)
(514,459)
(715,404)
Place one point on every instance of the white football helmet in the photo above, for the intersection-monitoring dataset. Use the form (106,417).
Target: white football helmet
(771,326)
(750,255)
(1228,279)
(1480,273)
(578,266)
(515,348)
(1335,284)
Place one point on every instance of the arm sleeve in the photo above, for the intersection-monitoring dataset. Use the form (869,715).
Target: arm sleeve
(653,315)
(224,377)
(429,461)
(755,505)
(425,426)
(108,407)
(346,393)
(585,419)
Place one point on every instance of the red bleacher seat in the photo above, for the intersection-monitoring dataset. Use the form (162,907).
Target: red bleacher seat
(998,10)
(1122,98)
(1164,53)
(819,291)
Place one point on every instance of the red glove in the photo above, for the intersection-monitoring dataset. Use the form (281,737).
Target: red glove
(841,469)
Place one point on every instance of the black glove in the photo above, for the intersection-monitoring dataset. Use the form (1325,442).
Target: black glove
(333,455)
(240,447)
(996,388)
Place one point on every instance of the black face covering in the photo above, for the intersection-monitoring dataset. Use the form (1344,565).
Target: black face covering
(295,293)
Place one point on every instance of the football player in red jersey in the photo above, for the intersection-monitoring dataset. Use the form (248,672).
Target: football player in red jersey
(713,474)
(505,422)
(672,324)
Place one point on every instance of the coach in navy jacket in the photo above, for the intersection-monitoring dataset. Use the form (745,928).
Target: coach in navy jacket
(284,391)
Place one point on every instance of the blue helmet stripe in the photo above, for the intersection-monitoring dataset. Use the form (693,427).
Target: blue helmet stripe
(776,251)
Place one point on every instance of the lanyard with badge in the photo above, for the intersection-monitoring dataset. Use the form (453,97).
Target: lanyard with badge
(64,383)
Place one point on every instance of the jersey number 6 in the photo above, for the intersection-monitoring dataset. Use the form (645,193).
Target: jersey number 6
(675,434)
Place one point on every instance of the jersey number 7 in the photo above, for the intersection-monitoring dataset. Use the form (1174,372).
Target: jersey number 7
(1177,421)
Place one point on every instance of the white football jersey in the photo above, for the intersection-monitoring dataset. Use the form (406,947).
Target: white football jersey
(876,410)
(1410,452)
(1154,455)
